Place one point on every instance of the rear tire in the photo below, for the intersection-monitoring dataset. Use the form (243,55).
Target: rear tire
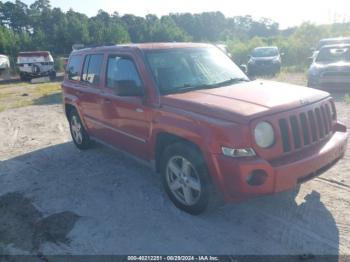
(80,137)
(186,179)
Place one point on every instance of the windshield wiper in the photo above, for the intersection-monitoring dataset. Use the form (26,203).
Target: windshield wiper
(188,87)
(223,83)
(182,89)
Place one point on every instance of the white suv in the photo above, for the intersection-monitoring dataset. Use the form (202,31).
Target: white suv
(35,64)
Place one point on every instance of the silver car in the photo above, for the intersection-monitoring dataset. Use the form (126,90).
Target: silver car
(331,67)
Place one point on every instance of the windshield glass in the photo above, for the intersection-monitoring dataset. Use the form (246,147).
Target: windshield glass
(185,69)
(323,43)
(332,55)
(265,52)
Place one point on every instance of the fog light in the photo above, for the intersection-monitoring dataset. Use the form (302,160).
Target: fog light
(257,177)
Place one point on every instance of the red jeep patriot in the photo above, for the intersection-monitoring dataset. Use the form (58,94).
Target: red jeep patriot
(192,114)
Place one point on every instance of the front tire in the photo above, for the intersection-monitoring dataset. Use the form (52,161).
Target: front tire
(186,178)
(79,135)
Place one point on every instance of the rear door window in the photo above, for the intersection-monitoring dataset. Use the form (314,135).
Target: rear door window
(92,69)
(73,68)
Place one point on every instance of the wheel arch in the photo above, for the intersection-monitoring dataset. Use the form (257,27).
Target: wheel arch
(164,139)
(69,108)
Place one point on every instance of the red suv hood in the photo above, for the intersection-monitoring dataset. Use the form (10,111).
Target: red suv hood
(245,101)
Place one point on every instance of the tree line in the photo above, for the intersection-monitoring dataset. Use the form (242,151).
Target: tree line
(41,27)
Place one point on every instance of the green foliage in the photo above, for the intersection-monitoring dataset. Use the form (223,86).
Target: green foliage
(347,98)
(41,27)
(59,64)
(240,50)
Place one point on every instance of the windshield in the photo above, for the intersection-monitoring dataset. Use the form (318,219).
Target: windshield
(332,55)
(265,52)
(323,43)
(182,70)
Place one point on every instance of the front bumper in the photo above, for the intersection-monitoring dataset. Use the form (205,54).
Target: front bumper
(283,174)
(40,74)
(331,83)
(263,68)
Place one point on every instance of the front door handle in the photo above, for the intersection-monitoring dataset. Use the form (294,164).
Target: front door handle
(139,110)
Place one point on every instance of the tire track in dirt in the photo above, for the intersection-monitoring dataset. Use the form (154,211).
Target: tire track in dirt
(334,183)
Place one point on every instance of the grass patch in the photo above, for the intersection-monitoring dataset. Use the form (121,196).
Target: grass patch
(292,78)
(26,94)
(294,69)
(14,85)
(47,88)
(4,95)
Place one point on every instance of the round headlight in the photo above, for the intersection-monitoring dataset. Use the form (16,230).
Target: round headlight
(264,134)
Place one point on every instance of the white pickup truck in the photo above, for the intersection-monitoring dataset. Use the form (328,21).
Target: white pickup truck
(35,64)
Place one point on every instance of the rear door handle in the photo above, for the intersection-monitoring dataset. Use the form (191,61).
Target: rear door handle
(139,110)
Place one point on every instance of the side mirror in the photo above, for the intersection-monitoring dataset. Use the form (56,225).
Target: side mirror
(244,68)
(128,88)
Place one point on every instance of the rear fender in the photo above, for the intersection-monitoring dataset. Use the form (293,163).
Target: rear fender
(73,101)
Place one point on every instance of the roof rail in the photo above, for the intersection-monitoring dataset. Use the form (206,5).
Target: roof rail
(77,46)
(82,46)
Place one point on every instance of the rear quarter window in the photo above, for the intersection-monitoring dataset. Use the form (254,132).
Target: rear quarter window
(73,68)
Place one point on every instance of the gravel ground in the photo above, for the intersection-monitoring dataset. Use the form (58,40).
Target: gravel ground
(55,199)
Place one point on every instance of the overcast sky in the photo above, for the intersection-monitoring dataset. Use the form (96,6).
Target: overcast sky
(286,13)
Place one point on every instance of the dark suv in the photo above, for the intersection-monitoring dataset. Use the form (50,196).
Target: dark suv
(264,60)
(188,111)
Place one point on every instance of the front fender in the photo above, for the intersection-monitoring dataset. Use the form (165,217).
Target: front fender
(208,133)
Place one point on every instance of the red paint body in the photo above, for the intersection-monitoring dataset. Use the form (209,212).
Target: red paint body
(210,119)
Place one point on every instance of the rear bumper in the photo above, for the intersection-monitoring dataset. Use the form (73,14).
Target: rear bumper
(283,174)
